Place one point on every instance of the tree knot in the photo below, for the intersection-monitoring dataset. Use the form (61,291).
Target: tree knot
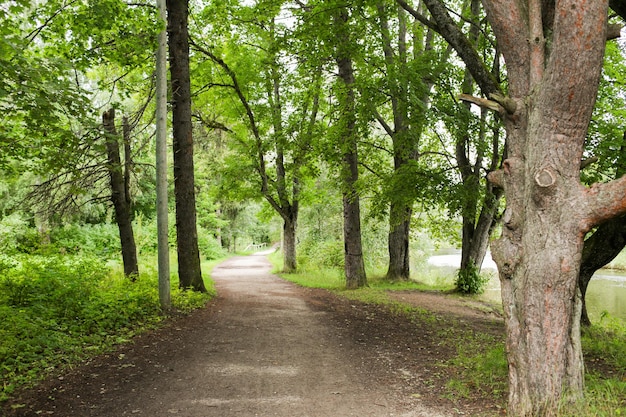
(545,178)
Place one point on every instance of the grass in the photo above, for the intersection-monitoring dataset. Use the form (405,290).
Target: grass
(480,367)
(57,310)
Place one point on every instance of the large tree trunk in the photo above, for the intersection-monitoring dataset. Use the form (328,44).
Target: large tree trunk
(553,52)
(553,89)
(189,272)
(120,195)
(353,249)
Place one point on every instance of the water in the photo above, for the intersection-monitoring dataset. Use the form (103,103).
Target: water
(606,292)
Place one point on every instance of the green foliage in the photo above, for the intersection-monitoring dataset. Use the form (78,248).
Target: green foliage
(327,253)
(470,280)
(208,245)
(55,310)
(101,240)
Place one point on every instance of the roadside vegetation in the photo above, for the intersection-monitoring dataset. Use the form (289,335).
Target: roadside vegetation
(479,369)
(68,300)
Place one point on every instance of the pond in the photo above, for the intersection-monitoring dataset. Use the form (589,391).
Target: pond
(606,293)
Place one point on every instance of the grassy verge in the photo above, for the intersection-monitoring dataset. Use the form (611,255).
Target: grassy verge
(57,310)
(480,366)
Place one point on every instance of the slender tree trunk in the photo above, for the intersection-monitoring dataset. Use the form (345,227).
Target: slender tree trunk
(398,241)
(477,227)
(189,271)
(120,197)
(353,248)
(404,143)
(289,244)
(163,245)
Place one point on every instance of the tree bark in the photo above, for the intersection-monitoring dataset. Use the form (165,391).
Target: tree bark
(120,196)
(189,271)
(548,211)
(289,244)
(353,248)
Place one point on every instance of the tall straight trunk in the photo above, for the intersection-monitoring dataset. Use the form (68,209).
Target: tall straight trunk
(163,246)
(353,248)
(289,244)
(189,271)
(119,196)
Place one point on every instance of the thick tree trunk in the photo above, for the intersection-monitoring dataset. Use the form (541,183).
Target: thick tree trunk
(553,53)
(353,248)
(553,86)
(120,196)
(189,271)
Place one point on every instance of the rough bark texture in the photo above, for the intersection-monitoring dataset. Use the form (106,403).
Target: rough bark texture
(548,211)
(189,272)
(353,250)
(120,195)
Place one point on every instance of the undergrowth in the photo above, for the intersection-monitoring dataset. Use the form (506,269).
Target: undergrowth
(57,310)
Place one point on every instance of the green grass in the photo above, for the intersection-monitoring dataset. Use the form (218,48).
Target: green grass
(57,310)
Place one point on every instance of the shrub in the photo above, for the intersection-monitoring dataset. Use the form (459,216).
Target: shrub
(470,281)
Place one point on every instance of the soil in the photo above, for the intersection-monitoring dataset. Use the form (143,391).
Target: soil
(266,347)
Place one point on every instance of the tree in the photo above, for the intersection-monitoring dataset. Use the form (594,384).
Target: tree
(347,134)
(479,208)
(163,246)
(120,191)
(553,81)
(405,90)
(189,271)
(280,102)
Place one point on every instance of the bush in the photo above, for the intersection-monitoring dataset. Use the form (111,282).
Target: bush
(57,309)
(470,281)
(209,246)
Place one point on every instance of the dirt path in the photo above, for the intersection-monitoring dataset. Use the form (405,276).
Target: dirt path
(263,347)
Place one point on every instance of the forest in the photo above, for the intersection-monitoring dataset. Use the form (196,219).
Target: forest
(357,136)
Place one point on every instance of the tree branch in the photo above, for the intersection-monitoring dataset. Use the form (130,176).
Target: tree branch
(449,30)
(604,201)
